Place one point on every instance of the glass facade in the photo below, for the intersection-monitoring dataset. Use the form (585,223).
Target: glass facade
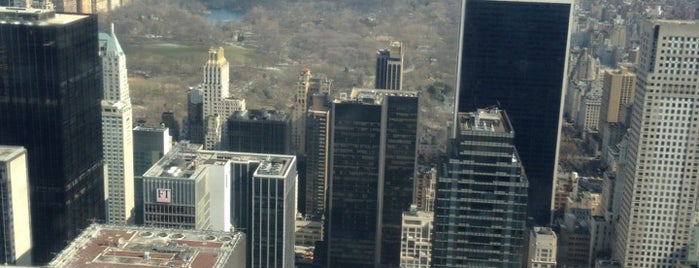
(480,208)
(259,131)
(50,91)
(354,183)
(401,136)
(372,164)
(513,55)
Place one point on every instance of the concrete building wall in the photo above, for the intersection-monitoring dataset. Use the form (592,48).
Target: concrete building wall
(16,222)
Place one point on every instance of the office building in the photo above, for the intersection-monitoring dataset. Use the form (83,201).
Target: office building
(117,133)
(168,120)
(481,205)
(372,161)
(149,145)
(424,190)
(306,86)
(128,246)
(195,115)
(574,241)
(259,131)
(218,190)
(617,93)
(308,232)
(317,133)
(184,191)
(589,113)
(416,239)
(658,208)
(218,104)
(513,54)
(543,248)
(15,222)
(389,67)
(50,92)
(273,214)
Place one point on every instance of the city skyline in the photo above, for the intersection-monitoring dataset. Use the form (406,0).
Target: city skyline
(368,176)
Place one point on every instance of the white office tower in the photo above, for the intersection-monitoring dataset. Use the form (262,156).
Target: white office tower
(218,105)
(117,135)
(543,248)
(15,221)
(416,245)
(659,201)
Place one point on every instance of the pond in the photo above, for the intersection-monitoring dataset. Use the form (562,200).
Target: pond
(223,15)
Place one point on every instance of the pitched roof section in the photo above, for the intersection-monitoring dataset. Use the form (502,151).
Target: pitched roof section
(110,42)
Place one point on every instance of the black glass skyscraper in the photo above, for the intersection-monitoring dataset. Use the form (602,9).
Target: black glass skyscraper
(50,90)
(371,166)
(513,55)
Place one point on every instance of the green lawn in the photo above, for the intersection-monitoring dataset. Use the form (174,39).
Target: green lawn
(236,55)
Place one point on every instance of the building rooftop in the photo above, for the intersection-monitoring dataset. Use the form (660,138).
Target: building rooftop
(34,16)
(127,246)
(150,129)
(109,42)
(544,231)
(491,119)
(184,159)
(8,153)
(263,114)
(375,96)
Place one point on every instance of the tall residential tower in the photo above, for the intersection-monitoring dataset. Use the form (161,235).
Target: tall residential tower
(218,105)
(117,136)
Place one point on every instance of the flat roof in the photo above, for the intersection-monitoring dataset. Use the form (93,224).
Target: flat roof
(375,96)
(128,246)
(491,119)
(8,153)
(183,160)
(261,115)
(150,129)
(35,16)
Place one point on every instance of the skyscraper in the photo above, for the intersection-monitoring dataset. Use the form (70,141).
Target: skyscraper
(150,144)
(169,121)
(617,92)
(481,205)
(273,213)
(317,133)
(195,115)
(259,131)
(372,160)
(117,135)
(218,105)
(513,54)
(659,201)
(307,86)
(50,91)
(15,222)
(389,67)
